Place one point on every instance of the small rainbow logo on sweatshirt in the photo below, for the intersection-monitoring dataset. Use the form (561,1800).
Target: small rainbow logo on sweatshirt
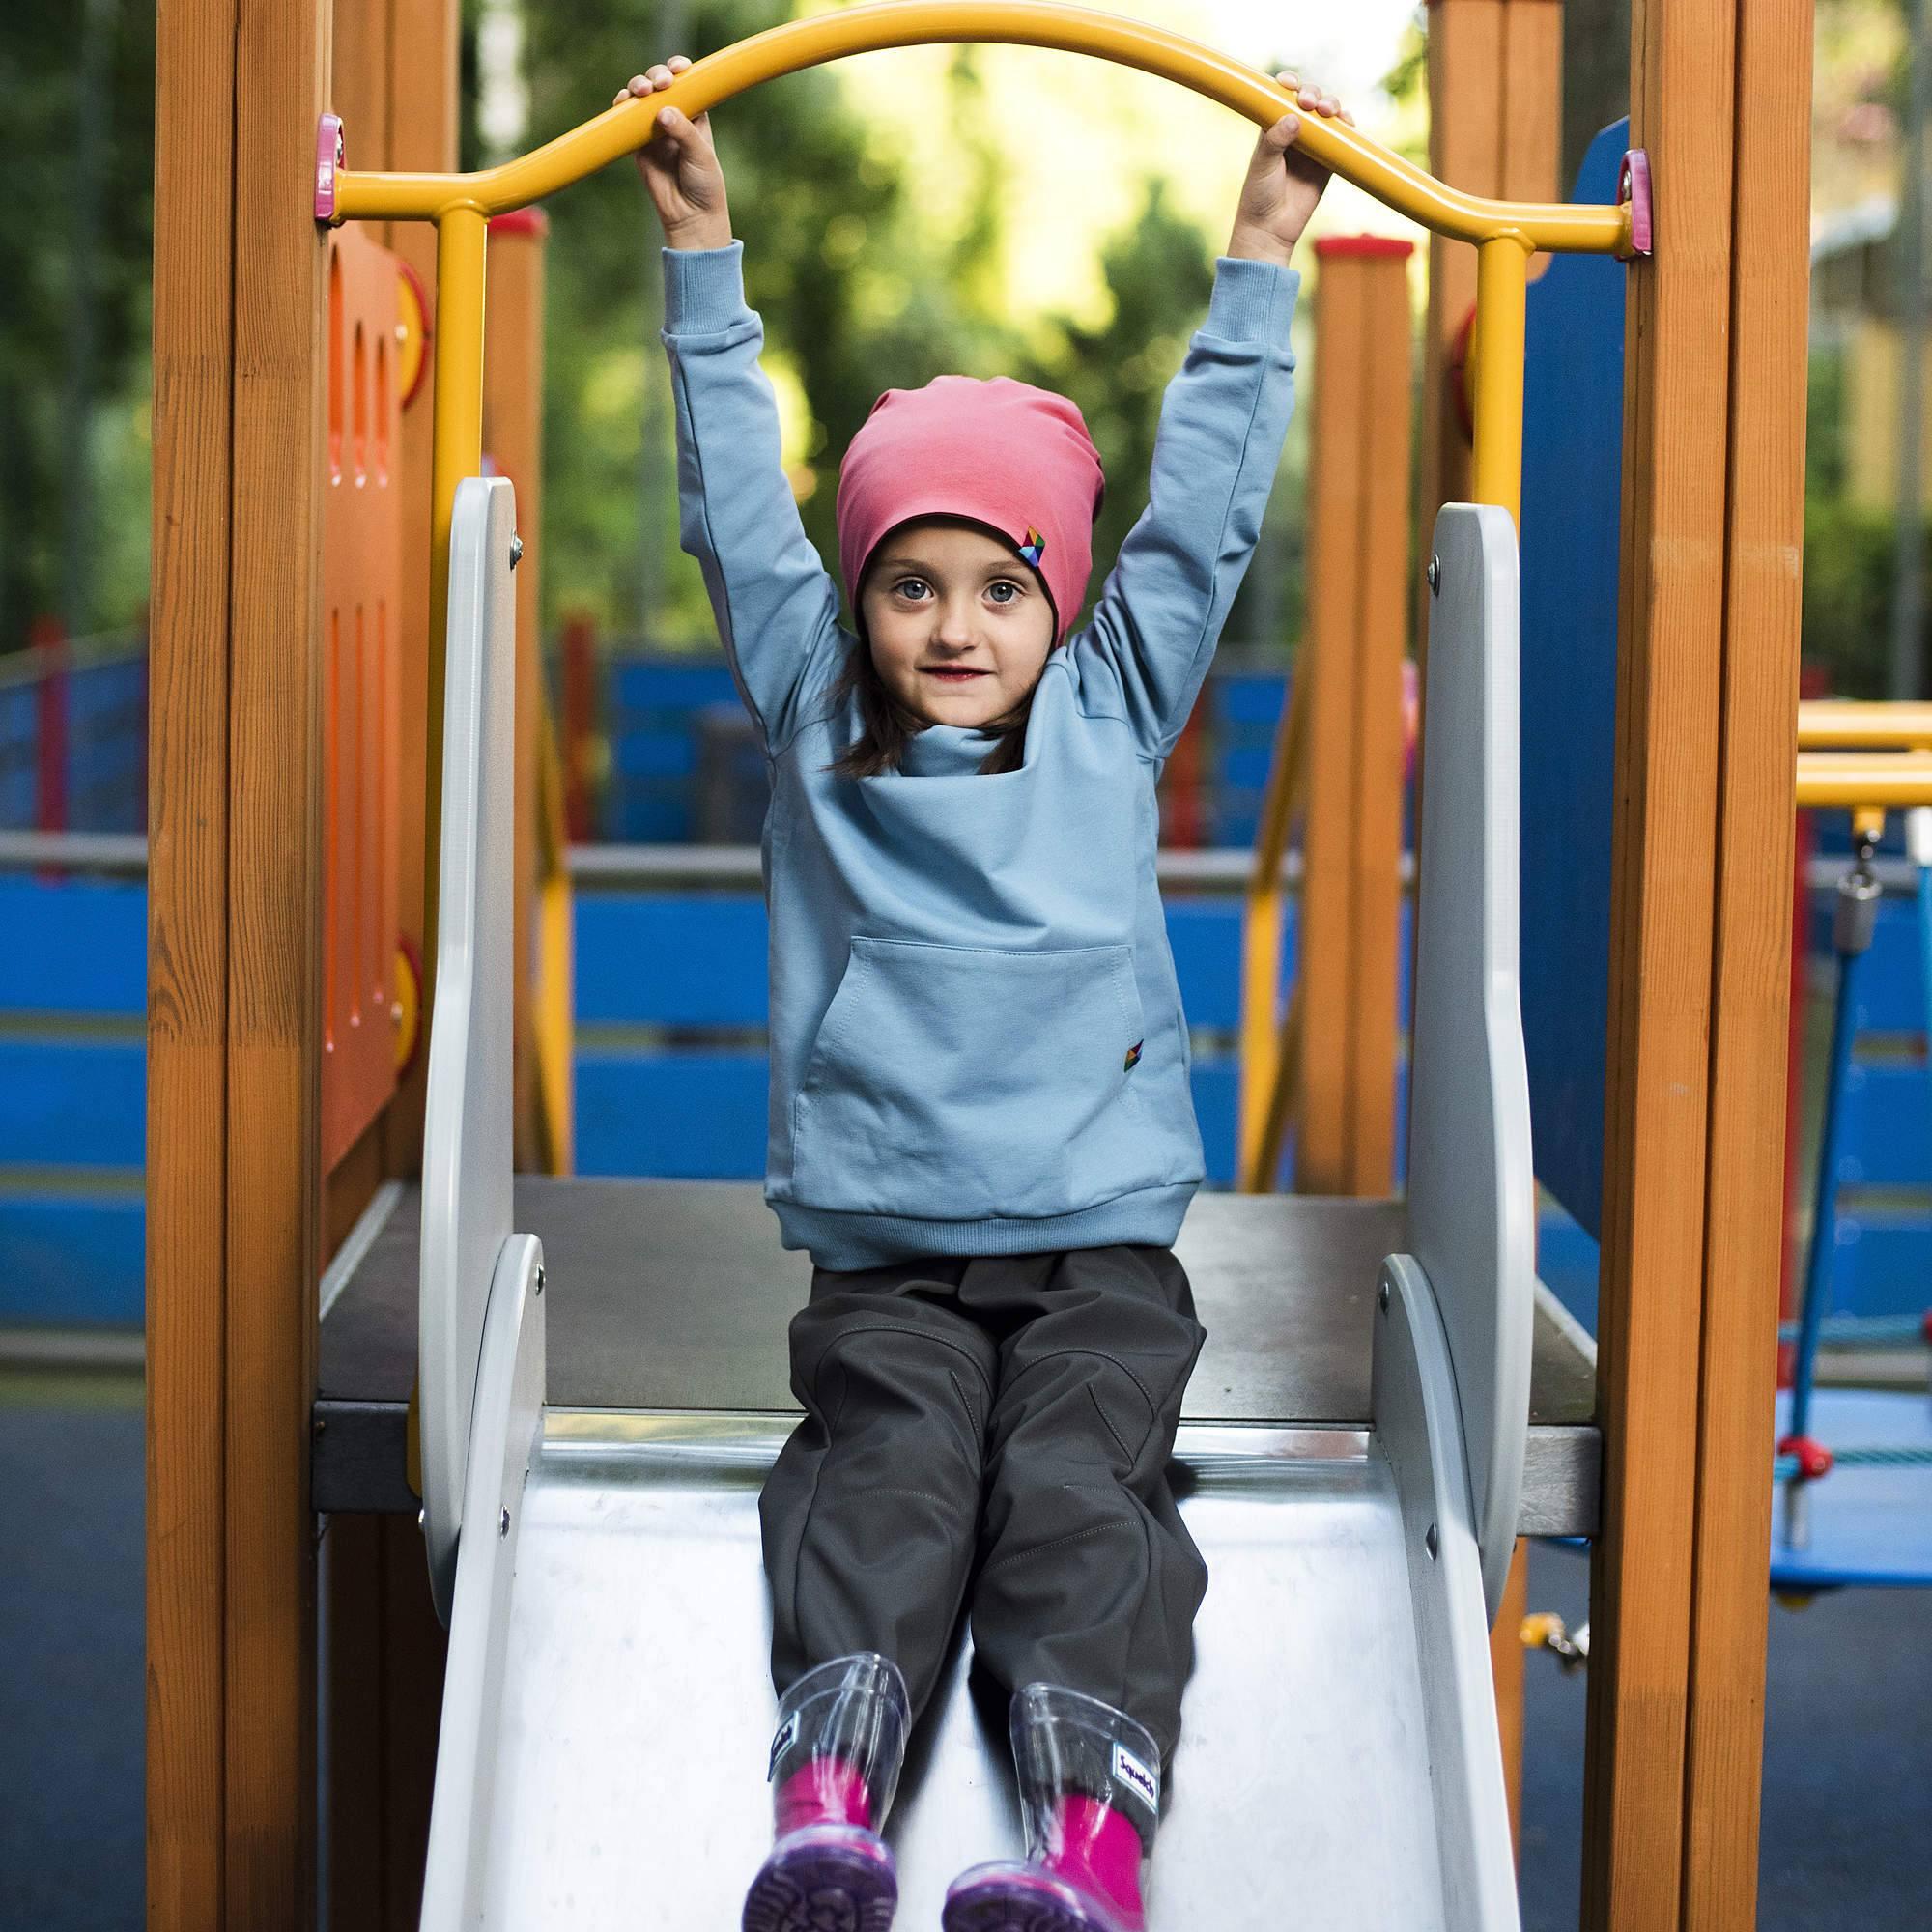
(1134,1055)
(1035,547)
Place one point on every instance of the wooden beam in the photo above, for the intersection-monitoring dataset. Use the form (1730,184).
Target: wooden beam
(1466,106)
(1506,1666)
(1530,134)
(512,361)
(1324,950)
(1676,446)
(1751,1000)
(187,959)
(1355,640)
(274,844)
(1383,578)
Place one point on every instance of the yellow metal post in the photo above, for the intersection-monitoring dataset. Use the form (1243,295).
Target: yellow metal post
(1502,292)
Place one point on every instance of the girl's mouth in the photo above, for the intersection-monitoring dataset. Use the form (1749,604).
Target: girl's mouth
(952,673)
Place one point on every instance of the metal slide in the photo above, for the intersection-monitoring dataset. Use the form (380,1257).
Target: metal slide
(607,1708)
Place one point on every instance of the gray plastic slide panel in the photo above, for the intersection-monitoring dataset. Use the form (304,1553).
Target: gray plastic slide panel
(508,1435)
(1420,1431)
(466,1197)
(1472,1185)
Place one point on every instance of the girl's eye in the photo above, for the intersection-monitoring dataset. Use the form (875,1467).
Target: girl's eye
(911,589)
(1002,591)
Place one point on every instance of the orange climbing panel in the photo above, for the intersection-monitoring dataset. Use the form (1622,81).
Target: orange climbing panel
(368,358)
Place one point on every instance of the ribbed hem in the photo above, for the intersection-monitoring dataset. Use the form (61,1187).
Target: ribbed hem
(704,289)
(1253,302)
(1151,1218)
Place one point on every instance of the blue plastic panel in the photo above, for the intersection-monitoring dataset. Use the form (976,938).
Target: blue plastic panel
(74,946)
(66,1103)
(676,960)
(1571,510)
(699,960)
(71,1259)
(674,1116)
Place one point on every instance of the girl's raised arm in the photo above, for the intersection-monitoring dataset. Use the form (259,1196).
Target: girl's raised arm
(1222,425)
(776,606)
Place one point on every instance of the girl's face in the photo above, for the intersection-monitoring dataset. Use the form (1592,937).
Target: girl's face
(959,626)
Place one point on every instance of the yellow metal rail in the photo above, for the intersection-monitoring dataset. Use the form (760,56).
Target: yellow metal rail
(1869,780)
(1838,726)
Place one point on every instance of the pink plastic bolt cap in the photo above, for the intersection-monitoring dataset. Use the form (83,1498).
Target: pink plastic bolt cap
(1633,191)
(327,158)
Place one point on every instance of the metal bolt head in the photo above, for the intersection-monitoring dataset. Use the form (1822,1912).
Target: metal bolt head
(540,1281)
(503,1526)
(1383,1298)
(1434,576)
(422,1519)
(1433,1542)
(515,550)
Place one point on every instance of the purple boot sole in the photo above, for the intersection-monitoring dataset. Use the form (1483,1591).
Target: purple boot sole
(1020,1901)
(827,1878)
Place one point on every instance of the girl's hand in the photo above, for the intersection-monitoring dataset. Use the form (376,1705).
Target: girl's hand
(679,166)
(1283,184)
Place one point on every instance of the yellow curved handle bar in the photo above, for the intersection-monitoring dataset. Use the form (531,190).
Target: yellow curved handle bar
(903,23)
(1506,233)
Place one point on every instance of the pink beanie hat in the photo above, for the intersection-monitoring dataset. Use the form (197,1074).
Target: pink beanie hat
(1000,453)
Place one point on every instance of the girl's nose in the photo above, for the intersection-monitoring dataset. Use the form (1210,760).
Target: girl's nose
(954,630)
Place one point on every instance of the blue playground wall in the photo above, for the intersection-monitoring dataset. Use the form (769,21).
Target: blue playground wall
(670,1060)
(72,1099)
(106,730)
(1570,529)
(670,1070)
(656,712)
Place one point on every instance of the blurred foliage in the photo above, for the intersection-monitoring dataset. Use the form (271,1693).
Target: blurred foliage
(1849,554)
(857,292)
(54,133)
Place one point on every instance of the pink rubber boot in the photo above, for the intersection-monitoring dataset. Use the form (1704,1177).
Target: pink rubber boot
(1090,1791)
(835,1763)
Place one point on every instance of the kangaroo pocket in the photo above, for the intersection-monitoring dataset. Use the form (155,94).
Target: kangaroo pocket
(956,1083)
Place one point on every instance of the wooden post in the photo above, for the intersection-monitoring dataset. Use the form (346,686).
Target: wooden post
(1707,697)
(233,995)
(512,361)
(187,951)
(1495,112)
(1357,602)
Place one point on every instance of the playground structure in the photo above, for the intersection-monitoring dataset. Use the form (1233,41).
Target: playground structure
(234,1238)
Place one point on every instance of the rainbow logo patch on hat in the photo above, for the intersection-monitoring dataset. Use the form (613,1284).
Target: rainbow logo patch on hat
(1035,547)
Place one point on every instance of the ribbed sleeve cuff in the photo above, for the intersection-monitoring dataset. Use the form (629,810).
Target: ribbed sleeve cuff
(704,289)
(1253,302)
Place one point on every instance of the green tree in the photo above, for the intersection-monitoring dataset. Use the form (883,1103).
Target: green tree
(857,292)
(76,141)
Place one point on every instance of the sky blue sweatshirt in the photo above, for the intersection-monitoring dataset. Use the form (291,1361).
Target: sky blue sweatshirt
(977,1042)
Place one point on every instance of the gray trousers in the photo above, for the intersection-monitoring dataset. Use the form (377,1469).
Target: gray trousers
(993,1432)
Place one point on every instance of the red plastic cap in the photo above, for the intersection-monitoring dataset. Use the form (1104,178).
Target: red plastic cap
(520,221)
(1812,1458)
(1371,247)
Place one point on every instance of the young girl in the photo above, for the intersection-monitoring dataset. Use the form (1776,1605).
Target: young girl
(980,1124)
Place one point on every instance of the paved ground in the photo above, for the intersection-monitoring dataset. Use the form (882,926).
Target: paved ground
(1848,1730)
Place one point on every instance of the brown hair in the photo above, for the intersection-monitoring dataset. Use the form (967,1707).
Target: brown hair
(886,727)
